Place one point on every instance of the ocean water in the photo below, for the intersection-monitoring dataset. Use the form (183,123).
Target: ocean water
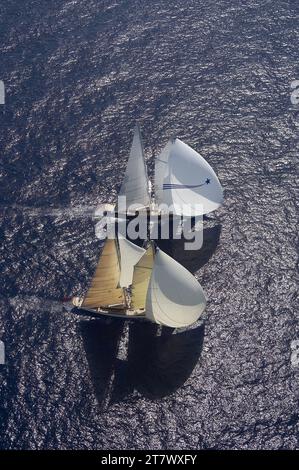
(78,74)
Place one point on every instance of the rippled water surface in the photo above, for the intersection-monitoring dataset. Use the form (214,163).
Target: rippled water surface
(217,74)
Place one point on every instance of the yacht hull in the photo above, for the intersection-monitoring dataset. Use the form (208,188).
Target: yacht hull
(113,311)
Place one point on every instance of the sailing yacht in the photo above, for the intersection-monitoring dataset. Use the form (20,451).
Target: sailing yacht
(133,282)
(142,283)
(184,183)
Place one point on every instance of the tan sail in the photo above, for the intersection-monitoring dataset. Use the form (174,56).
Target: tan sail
(141,278)
(104,288)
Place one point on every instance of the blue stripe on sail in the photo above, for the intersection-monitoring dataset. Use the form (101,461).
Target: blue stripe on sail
(184,186)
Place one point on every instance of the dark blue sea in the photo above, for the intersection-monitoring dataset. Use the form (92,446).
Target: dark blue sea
(78,75)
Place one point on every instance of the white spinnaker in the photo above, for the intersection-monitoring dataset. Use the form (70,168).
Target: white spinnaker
(135,183)
(174,296)
(130,254)
(186,182)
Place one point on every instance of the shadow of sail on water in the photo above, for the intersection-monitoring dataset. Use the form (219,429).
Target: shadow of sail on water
(101,344)
(193,260)
(159,365)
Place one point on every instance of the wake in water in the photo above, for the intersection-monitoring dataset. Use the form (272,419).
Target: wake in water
(66,212)
(34,303)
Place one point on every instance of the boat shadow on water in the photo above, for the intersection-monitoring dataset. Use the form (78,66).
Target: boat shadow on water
(193,260)
(156,365)
(158,361)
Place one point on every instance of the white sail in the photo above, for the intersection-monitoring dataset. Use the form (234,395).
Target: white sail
(174,296)
(141,279)
(130,254)
(135,184)
(185,181)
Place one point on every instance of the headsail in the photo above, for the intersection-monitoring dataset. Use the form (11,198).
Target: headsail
(104,288)
(130,254)
(185,181)
(174,298)
(141,278)
(135,184)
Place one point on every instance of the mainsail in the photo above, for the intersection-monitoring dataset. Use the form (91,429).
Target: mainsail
(130,254)
(174,297)
(104,289)
(185,181)
(135,184)
(141,278)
